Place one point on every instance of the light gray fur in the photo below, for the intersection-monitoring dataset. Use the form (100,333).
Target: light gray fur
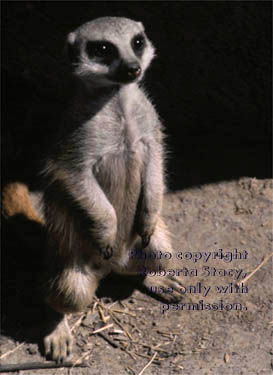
(104,176)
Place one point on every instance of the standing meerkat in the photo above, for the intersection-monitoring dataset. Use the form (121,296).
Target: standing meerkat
(104,176)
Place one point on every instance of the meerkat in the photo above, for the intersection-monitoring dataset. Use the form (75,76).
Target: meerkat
(104,176)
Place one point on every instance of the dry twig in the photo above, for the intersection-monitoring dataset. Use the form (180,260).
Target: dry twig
(79,360)
(255,270)
(124,312)
(109,340)
(78,322)
(11,351)
(148,364)
(156,361)
(120,325)
(101,305)
(102,329)
(153,347)
(168,333)
(38,366)
(129,353)
(103,317)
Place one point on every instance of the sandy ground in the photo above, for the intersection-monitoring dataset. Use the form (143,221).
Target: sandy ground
(227,215)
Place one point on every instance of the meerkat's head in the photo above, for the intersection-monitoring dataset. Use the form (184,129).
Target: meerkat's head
(109,51)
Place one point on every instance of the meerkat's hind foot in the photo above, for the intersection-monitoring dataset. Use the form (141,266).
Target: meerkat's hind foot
(165,289)
(59,341)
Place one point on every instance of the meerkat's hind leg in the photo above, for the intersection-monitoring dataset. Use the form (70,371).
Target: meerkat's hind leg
(154,262)
(58,339)
(69,287)
(166,289)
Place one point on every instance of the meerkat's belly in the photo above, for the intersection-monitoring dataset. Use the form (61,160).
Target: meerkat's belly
(119,175)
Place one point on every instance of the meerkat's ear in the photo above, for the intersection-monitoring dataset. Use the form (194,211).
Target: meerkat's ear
(71,37)
(141,25)
(71,48)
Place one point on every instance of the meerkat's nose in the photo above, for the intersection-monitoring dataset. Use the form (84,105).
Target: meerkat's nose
(127,72)
(133,70)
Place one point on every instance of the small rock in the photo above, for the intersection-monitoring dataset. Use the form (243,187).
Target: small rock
(32,349)
(226,358)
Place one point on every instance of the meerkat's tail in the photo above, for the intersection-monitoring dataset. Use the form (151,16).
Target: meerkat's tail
(18,200)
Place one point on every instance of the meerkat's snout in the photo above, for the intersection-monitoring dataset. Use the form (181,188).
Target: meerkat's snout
(128,72)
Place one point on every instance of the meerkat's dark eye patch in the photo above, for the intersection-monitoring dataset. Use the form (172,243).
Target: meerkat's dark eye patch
(105,51)
(138,44)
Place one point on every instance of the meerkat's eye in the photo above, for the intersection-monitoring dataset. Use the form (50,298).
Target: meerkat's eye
(103,50)
(138,44)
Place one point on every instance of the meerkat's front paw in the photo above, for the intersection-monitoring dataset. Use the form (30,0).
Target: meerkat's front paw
(106,245)
(58,344)
(146,228)
(107,252)
(146,238)
(105,238)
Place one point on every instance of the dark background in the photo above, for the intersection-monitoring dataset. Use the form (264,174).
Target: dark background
(211,82)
